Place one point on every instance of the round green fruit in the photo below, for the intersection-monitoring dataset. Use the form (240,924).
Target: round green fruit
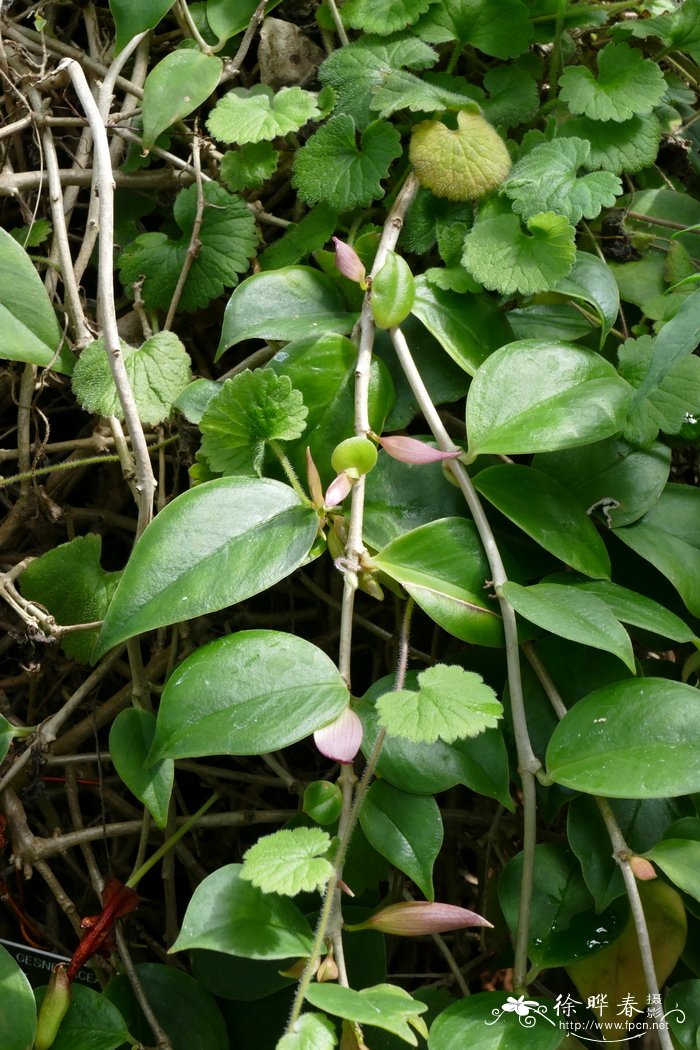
(354,456)
(323,801)
(393,292)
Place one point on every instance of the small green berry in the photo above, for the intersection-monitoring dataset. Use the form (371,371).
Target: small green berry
(354,456)
(323,801)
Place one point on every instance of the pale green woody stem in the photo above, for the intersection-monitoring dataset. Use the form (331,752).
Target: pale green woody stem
(528,763)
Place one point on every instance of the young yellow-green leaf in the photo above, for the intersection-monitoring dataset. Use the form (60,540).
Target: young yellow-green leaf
(383,1006)
(70,582)
(228,239)
(158,372)
(289,862)
(356,72)
(546,180)
(461,165)
(258,113)
(627,84)
(250,410)
(383,16)
(311,1032)
(503,257)
(626,146)
(502,30)
(666,406)
(332,168)
(248,167)
(175,87)
(451,704)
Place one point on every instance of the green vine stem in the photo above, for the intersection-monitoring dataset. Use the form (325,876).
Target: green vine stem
(528,763)
(133,881)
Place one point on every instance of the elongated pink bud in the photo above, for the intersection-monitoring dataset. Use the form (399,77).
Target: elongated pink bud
(341,739)
(416,918)
(642,868)
(349,263)
(314,480)
(337,490)
(409,450)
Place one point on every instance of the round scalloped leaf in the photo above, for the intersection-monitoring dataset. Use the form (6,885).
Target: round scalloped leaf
(228,240)
(247,693)
(213,546)
(383,1006)
(499,254)
(546,180)
(502,30)
(383,16)
(627,84)
(461,165)
(258,113)
(533,396)
(331,167)
(158,373)
(626,146)
(289,861)
(633,739)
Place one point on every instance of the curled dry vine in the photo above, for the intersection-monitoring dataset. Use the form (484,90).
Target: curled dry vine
(350,402)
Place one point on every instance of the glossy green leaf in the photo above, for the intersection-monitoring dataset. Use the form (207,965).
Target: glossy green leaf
(564,925)
(543,509)
(668,536)
(679,859)
(443,567)
(632,739)
(175,87)
(546,321)
(642,822)
(7,732)
(227,19)
(227,914)
(638,610)
(211,547)
(322,369)
(291,303)
(195,397)
(480,763)
(233,977)
(92,1022)
(618,971)
(614,478)
(678,338)
(18,1014)
(130,739)
(535,397)
(406,829)
(70,582)
(591,281)
(468,327)
(247,693)
(132,19)
(570,612)
(682,1007)
(185,1011)
(383,1006)
(30,328)
(489,1021)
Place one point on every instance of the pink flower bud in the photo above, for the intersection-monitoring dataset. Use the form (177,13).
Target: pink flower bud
(415,918)
(642,869)
(341,739)
(349,263)
(337,490)
(409,450)
(314,480)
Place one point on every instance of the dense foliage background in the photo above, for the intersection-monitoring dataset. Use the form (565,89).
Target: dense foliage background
(345,722)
